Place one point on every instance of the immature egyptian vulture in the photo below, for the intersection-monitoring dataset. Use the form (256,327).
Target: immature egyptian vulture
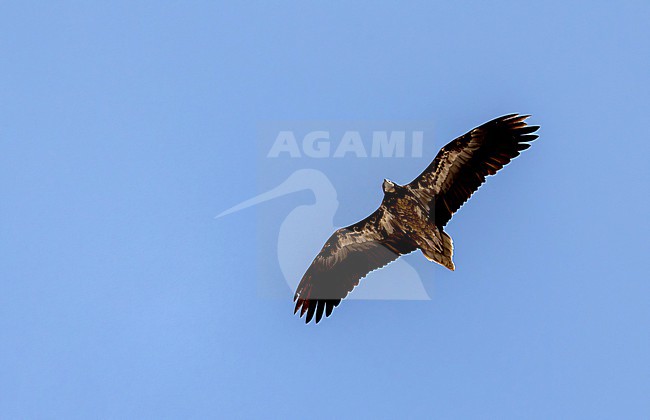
(411,216)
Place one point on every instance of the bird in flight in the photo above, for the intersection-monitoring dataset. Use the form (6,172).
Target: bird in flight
(411,216)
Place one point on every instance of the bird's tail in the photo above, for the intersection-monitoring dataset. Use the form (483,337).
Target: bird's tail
(441,255)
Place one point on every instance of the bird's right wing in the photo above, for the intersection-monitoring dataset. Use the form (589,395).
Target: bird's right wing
(348,256)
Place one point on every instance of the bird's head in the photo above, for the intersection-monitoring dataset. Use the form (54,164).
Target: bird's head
(388,186)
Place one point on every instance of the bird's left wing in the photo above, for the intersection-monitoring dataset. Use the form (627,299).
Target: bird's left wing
(461,166)
(348,256)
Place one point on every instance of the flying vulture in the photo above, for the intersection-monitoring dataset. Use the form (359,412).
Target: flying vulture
(411,216)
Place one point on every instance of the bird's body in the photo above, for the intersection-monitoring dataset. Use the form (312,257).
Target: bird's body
(411,216)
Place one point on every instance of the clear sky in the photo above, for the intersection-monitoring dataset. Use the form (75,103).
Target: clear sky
(125,127)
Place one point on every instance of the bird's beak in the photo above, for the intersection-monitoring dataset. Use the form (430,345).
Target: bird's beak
(287,187)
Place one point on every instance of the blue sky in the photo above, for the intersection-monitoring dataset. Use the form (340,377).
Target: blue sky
(126,127)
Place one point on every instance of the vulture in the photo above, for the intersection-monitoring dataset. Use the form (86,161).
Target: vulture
(411,216)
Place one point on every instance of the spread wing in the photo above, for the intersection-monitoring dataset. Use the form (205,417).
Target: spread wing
(461,166)
(348,256)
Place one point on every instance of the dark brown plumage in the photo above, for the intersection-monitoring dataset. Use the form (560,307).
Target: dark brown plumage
(411,216)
